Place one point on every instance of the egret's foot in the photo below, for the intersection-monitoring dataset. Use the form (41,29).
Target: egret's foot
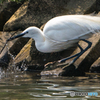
(58,69)
(61,61)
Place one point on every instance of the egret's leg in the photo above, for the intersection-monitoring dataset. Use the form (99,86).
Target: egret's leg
(78,54)
(89,45)
(80,47)
(63,60)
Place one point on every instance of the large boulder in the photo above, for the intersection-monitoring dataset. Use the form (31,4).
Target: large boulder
(38,12)
(6,11)
(95,67)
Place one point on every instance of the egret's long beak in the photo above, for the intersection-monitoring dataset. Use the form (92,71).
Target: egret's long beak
(17,36)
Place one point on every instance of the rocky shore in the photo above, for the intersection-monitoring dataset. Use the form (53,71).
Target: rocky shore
(17,17)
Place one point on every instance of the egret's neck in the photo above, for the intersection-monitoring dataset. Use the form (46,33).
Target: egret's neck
(40,40)
(39,36)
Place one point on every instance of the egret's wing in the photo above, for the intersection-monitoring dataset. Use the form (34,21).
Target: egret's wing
(71,27)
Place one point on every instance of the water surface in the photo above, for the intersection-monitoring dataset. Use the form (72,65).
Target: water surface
(31,86)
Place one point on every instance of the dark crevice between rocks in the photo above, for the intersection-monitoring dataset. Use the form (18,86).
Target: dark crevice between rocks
(72,71)
(35,67)
(94,8)
(95,69)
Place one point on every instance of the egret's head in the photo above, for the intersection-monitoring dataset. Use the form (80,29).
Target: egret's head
(29,32)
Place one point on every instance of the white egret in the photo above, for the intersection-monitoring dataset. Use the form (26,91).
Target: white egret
(63,32)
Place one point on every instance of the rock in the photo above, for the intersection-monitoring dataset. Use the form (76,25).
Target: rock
(4,54)
(19,44)
(4,36)
(6,11)
(37,13)
(80,6)
(16,18)
(62,69)
(88,58)
(24,53)
(95,67)
(94,8)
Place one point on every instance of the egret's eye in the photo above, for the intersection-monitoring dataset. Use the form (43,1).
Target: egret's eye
(26,32)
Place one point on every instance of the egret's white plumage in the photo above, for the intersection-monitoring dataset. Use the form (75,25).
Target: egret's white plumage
(71,27)
(63,32)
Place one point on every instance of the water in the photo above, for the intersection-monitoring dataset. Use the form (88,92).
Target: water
(32,86)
